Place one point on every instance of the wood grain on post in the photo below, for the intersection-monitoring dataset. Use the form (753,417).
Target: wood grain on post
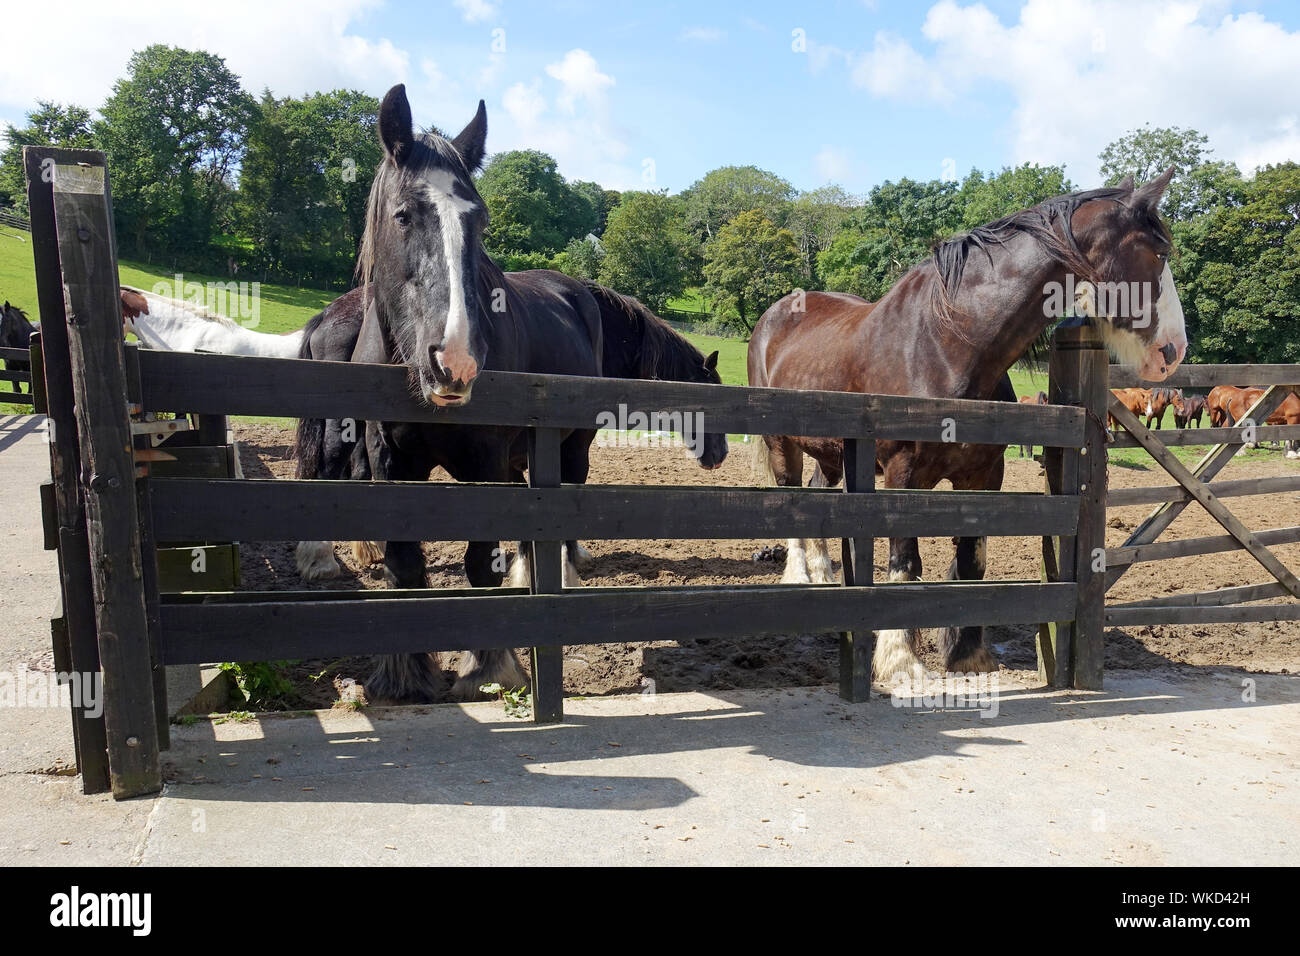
(857,647)
(93,307)
(547,578)
(89,733)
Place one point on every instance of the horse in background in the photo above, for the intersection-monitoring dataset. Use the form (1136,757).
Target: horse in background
(1039,399)
(1216,403)
(16,332)
(951,328)
(1188,410)
(1136,400)
(176,325)
(1158,401)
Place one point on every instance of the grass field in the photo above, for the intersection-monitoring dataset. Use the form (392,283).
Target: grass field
(284,308)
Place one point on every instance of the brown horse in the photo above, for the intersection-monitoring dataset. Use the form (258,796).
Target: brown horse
(951,328)
(1216,403)
(1160,399)
(1135,400)
(1188,410)
(1236,403)
(1039,399)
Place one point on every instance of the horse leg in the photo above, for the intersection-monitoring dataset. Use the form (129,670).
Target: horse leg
(820,569)
(575,465)
(401,677)
(895,656)
(963,648)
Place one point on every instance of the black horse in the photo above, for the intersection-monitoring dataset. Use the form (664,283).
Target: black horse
(637,344)
(16,333)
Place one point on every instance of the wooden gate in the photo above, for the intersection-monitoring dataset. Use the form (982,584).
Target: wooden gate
(1195,485)
(109,509)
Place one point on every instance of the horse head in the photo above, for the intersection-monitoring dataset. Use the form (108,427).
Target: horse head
(1131,292)
(420,252)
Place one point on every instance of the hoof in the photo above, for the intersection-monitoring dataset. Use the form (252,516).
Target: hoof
(895,658)
(316,561)
(405,679)
(488,667)
(979,661)
(367,552)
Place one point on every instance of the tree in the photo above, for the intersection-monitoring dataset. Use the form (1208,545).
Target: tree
(750,264)
(1238,273)
(602,202)
(987,198)
(174,131)
(712,202)
(50,124)
(581,258)
(532,208)
(1148,151)
(891,232)
(648,252)
(815,218)
(304,183)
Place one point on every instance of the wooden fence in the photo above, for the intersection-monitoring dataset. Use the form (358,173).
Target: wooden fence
(1194,485)
(12,380)
(9,218)
(106,520)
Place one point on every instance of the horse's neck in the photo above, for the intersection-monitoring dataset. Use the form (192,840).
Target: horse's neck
(998,337)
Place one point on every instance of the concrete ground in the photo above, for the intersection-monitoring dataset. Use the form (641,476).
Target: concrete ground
(1178,767)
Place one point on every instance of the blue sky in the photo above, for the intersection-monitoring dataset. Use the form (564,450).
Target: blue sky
(637,95)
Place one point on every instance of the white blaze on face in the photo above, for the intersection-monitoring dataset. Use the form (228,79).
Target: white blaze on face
(455,356)
(1170,330)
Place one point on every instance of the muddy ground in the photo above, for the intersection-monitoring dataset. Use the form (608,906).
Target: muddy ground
(806,659)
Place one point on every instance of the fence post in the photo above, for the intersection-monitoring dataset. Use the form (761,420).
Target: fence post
(548,578)
(1072,653)
(77,632)
(857,647)
(83,220)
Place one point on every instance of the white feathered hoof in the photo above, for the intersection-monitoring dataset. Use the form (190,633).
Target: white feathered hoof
(316,561)
(498,666)
(405,679)
(978,661)
(895,658)
(367,553)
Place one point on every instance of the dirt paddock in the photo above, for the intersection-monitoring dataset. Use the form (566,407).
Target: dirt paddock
(805,659)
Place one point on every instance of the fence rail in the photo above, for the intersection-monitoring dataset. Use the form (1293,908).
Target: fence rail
(8,218)
(12,380)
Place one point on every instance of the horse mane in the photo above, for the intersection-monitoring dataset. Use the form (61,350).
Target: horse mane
(23,328)
(660,350)
(198,311)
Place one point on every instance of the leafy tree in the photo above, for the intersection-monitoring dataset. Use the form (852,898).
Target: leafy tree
(986,198)
(531,206)
(891,232)
(750,264)
(1238,273)
(174,131)
(50,124)
(304,183)
(712,202)
(602,202)
(815,218)
(1148,151)
(648,252)
(580,259)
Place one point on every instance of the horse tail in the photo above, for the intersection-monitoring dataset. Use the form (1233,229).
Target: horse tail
(762,464)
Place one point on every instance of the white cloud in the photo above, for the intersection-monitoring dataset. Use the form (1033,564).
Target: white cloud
(1083,72)
(703,34)
(569,116)
(581,79)
(269,43)
(833,165)
(475,11)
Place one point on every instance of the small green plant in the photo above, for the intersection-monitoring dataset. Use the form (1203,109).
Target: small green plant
(186,720)
(238,716)
(262,684)
(517,702)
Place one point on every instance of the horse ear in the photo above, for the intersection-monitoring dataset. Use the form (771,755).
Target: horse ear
(395,130)
(470,143)
(1149,195)
(711,361)
(1126,183)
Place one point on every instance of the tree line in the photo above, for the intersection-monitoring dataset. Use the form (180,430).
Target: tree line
(207,177)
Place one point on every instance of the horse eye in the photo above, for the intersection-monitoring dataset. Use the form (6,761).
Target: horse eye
(402,217)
